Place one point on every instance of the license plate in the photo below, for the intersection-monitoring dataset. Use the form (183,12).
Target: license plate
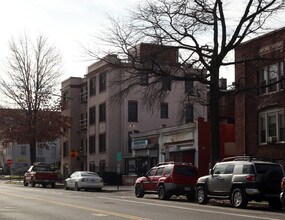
(187,188)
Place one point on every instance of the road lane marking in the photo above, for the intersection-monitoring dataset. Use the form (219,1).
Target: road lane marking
(90,209)
(100,215)
(191,209)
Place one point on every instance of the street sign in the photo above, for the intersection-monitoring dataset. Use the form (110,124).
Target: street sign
(73,154)
(119,156)
(9,162)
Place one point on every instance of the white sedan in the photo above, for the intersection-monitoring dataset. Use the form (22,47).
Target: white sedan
(84,180)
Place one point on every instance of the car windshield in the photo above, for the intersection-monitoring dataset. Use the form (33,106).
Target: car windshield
(89,174)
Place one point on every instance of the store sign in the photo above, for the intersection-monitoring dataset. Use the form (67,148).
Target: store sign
(141,144)
(272,47)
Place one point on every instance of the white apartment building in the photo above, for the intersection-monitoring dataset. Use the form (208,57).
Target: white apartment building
(99,139)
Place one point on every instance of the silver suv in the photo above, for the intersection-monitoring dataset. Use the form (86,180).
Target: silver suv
(242,179)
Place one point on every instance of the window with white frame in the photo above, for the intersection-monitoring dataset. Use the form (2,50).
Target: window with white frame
(271,126)
(270,78)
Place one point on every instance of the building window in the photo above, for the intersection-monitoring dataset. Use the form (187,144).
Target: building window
(102,82)
(53,153)
(102,112)
(189,87)
(132,111)
(92,88)
(164,110)
(270,78)
(166,83)
(92,144)
(92,115)
(23,150)
(271,126)
(65,103)
(65,149)
(83,94)
(189,113)
(102,143)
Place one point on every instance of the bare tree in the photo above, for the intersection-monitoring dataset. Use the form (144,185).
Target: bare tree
(204,31)
(33,70)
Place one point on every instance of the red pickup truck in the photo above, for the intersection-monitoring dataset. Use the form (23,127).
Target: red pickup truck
(40,174)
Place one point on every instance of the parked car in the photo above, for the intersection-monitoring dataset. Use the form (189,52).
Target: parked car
(40,173)
(167,179)
(84,180)
(282,194)
(242,179)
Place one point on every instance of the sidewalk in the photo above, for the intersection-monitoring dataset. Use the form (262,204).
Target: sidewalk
(118,188)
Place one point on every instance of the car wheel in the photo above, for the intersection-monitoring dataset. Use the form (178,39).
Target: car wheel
(162,194)
(76,188)
(25,183)
(44,185)
(52,185)
(201,195)
(275,204)
(139,192)
(33,184)
(65,186)
(238,198)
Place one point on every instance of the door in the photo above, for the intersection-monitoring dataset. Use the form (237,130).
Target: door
(216,179)
(148,183)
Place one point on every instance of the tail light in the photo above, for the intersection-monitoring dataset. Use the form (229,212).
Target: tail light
(250,178)
(283,183)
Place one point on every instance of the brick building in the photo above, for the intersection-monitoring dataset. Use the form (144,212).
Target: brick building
(260,103)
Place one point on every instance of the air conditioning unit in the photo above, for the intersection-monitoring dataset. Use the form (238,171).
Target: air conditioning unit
(271,140)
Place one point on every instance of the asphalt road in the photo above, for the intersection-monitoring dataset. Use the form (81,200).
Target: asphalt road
(19,202)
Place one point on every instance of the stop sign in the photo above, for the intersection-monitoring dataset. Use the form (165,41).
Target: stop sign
(9,162)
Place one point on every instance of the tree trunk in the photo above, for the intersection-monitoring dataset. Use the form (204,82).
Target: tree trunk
(214,117)
(33,151)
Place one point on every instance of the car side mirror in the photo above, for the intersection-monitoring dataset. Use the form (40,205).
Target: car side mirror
(211,171)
